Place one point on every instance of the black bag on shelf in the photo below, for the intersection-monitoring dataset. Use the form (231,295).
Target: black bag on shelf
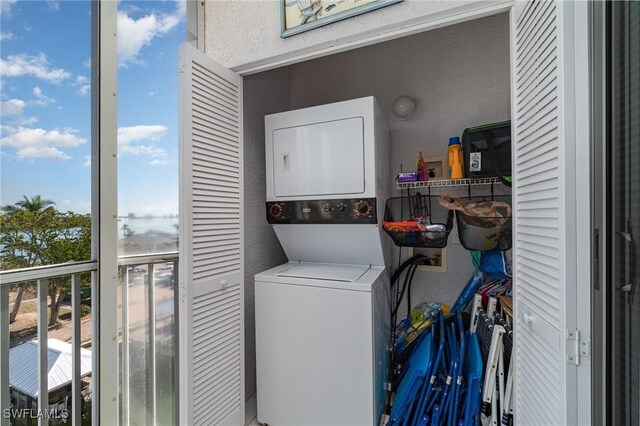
(487,151)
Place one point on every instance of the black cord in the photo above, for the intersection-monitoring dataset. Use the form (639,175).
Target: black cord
(399,300)
(408,279)
(404,265)
(413,272)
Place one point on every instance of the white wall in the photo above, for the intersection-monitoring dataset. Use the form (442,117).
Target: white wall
(244,34)
(459,77)
(265,93)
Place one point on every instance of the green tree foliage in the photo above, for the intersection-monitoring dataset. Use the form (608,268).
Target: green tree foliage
(33,233)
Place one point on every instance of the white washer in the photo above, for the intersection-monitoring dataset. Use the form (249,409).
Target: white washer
(321,336)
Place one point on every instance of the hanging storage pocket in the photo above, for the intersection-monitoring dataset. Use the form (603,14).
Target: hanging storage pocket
(482,225)
(417,221)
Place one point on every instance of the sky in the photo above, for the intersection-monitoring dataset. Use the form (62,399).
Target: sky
(45,95)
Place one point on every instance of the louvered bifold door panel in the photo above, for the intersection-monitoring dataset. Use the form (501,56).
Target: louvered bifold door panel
(538,212)
(211,290)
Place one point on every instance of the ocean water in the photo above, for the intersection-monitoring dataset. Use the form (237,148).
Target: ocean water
(144,225)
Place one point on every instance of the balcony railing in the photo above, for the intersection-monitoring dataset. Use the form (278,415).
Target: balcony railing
(41,276)
(148,367)
(147,288)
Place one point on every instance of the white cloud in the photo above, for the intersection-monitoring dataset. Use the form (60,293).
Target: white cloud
(5,6)
(156,208)
(41,98)
(87,63)
(6,36)
(134,34)
(87,161)
(40,143)
(76,206)
(129,136)
(54,5)
(181,8)
(25,121)
(158,162)
(84,83)
(84,90)
(13,111)
(12,107)
(36,66)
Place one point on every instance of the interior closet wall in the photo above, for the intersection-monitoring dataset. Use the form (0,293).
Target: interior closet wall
(459,77)
(264,93)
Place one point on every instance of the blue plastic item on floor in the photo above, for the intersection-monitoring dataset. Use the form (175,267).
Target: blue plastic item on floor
(445,387)
(492,265)
(459,377)
(408,389)
(421,417)
(474,369)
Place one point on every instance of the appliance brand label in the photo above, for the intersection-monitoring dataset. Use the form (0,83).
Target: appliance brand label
(475,162)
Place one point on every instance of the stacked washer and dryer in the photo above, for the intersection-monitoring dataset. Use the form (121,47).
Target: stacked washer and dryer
(322,319)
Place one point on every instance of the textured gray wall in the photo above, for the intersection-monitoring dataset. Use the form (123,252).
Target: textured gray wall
(265,93)
(459,77)
(238,33)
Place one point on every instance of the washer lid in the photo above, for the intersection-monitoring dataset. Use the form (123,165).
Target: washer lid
(334,272)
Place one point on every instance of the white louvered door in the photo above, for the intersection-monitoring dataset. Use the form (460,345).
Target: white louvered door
(211,329)
(543,66)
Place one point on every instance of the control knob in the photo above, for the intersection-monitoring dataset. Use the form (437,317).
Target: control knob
(275,210)
(362,208)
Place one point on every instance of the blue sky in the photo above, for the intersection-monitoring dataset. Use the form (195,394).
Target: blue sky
(45,139)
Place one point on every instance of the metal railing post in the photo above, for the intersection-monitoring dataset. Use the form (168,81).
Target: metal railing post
(94,345)
(176,340)
(43,352)
(151,354)
(76,360)
(4,354)
(125,345)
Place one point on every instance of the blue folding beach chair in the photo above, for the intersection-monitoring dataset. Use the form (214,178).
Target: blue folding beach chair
(407,392)
(473,367)
(421,416)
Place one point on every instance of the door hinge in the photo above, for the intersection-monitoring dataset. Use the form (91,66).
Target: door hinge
(577,347)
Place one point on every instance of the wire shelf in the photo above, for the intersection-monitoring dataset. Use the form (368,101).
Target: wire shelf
(437,183)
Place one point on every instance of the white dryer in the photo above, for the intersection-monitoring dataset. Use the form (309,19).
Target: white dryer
(322,320)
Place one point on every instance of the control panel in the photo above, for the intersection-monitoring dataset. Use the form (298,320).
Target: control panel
(359,210)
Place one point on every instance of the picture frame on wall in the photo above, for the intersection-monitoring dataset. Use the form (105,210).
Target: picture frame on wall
(297,16)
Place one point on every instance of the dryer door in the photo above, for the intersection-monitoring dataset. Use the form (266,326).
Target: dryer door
(319,159)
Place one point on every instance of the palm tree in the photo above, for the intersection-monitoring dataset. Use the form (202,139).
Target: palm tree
(40,208)
(34,204)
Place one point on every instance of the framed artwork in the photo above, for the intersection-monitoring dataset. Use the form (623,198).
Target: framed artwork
(297,16)
(437,258)
(438,167)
